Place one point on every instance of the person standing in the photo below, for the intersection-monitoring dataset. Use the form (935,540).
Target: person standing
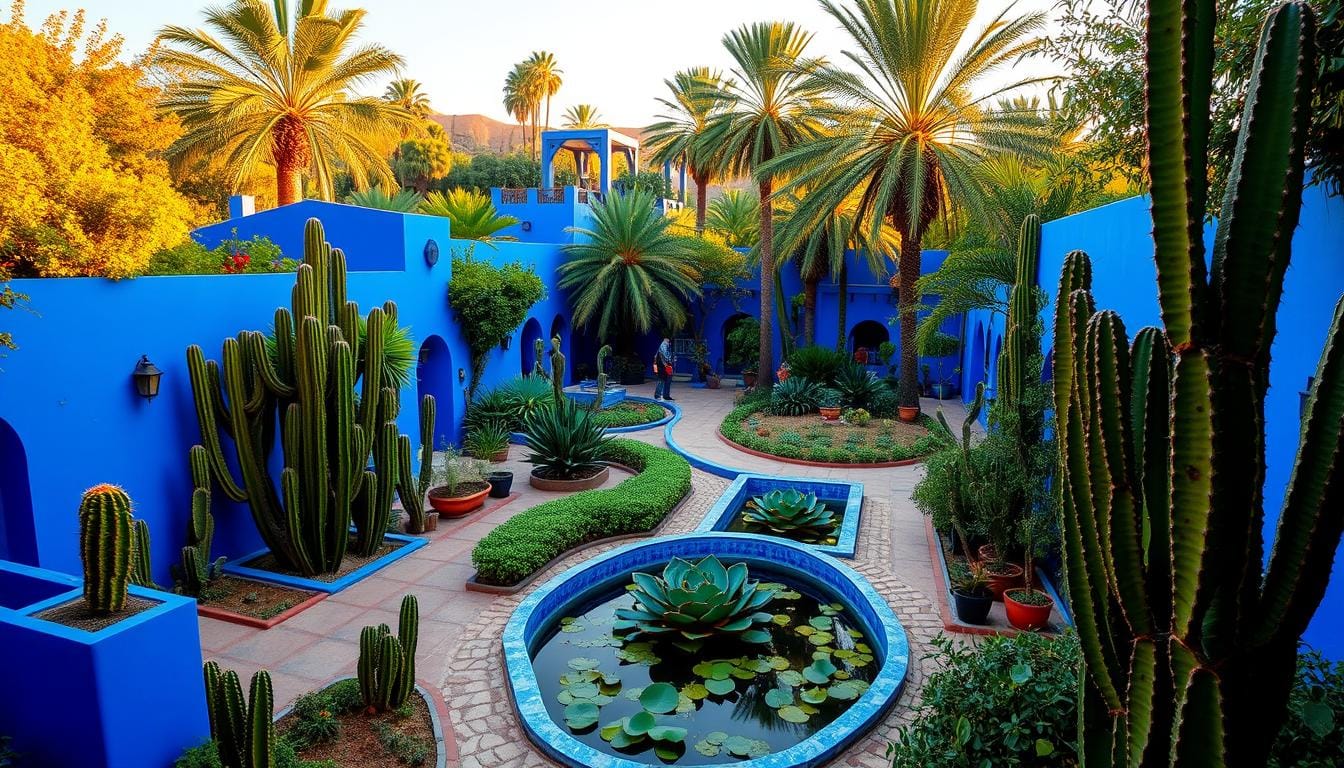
(662,367)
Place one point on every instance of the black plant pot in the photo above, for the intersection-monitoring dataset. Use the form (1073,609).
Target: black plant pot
(973,608)
(500,484)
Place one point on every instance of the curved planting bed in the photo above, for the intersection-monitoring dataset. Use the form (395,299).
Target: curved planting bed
(524,544)
(810,440)
(704,649)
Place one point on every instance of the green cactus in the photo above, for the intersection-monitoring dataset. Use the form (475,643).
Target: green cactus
(602,355)
(557,368)
(244,733)
(410,489)
(1020,338)
(304,377)
(196,571)
(107,546)
(538,367)
(1189,639)
(387,662)
(142,570)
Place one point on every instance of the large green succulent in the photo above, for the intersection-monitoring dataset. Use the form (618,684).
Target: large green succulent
(692,602)
(791,513)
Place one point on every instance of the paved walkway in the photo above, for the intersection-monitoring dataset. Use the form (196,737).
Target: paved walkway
(460,630)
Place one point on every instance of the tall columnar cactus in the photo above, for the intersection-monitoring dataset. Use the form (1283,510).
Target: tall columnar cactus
(244,733)
(557,368)
(196,570)
(410,489)
(106,545)
(387,662)
(1189,639)
(304,378)
(142,570)
(539,367)
(602,355)
(1020,337)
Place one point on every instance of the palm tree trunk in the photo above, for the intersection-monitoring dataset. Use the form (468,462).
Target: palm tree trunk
(701,190)
(844,306)
(289,146)
(810,311)
(766,368)
(908,269)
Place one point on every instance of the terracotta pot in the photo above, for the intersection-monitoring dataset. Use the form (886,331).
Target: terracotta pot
(583,484)
(908,413)
(501,457)
(431,521)
(456,506)
(972,608)
(1009,577)
(712,382)
(1024,616)
(748,379)
(829,414)
(988,553)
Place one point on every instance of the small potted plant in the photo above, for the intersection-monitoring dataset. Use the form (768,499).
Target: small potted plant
(1002,576)
(712,379)
(857,417)
(829,404)
(908,413)
(748,377)
(489,442)
(459,484)
(1027,607)
(970,594)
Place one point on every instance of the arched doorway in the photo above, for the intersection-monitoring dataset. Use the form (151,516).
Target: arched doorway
(728,326)
(560,327)
(531,332)
(865,338)
(434,375)
(18,536)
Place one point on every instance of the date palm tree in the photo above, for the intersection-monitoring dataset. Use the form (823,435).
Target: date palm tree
(678,135)
(264,83)
(630,274)
(736,216)
(520,99)
(583,116)
(910,135)
(545,74)
(770,107)
(407,94)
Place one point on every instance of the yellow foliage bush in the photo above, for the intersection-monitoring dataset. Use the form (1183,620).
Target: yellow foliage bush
(84,190)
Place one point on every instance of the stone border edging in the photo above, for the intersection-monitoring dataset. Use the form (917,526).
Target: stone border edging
(493,589)
(222,614)
(828,464)
(438,710)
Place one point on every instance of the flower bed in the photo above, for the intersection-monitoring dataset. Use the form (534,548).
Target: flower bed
(631,413)
(526,542)
(810,439)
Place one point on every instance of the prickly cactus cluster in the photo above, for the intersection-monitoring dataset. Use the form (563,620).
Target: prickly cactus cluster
(410,489)
(243,731)
(1020,342)
(387,661)
(1189,638)
(106,546)
(196,569)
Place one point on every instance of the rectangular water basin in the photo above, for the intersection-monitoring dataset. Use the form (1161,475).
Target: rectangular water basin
(846,498)
(583,395)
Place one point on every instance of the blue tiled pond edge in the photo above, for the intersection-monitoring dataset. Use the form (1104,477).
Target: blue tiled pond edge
(699,462)
(548,602)
(721,515)
(239,567)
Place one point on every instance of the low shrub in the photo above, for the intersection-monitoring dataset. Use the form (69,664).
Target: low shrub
(858,386)
(628,414)
(529,540)
(1008,701)
(233,256)
(816,363)
(795,396)
(1313,733)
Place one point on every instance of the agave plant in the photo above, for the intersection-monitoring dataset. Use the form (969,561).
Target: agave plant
(692,602)
(791,513)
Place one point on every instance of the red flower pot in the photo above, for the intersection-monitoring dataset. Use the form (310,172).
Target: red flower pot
(1007,576)
(1023,615)
(456,506)
(908,413)
(829,414)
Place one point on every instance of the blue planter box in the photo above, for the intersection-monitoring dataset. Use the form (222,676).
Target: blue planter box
(239,567)
(130,694)
(585,395)
(747,485)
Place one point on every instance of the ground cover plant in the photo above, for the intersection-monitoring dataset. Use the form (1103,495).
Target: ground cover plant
(804,436)
(520,547)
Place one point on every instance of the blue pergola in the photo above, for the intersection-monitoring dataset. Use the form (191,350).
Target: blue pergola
(583,142)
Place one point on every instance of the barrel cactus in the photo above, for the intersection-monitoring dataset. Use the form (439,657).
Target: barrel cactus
(791,513)
(106,546)
(387,662)
(692,602)
(243,732)
(303,378)
(1189,634)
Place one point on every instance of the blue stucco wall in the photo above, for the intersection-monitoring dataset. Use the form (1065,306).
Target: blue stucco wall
(544,222)
(1118,238)
(69,414)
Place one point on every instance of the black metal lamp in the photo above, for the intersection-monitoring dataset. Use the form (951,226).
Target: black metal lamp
(506,342)
(461,375)
(146,376)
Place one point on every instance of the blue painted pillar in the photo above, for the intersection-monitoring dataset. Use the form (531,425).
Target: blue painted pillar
(667,173)
(681,184)
(604,157)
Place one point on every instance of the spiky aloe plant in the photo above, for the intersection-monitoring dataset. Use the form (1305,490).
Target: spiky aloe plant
(692,602)
(106,546)
(791,513)
(304,380)
(243,731)
(410,489)
(387,662)
(1189,639)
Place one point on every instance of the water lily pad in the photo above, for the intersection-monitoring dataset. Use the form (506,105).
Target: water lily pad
(791,677)
(820,622)
(862,647)
(573,627)
(720,687)
(610,730)
(782,619)
(778,697)
(845,691)
(668,733)
(717,737)
(659,698)
(633,694)
(638,653)
(611,679)
(788,595)
(583,663)
(819,672)
(695,691)
(586,676)
(793,714)
(813,695)
(741,746)
(778,663)
(668,753)
(583,690)
(720,670)
(743,673)
(841,674)
(844,653)
(581,715)
(640,723)
(808,708)
(805,630)
(684,704)
(707,748)
(622,740)
(755,636)
(821,638)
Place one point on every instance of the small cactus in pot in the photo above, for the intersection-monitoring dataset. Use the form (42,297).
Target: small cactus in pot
(106,546)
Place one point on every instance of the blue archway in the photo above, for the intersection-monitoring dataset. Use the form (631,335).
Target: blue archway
(728,326)
(531,332)
(18,535)
(435,376)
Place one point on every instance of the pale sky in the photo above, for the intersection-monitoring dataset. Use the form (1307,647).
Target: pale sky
(614,53)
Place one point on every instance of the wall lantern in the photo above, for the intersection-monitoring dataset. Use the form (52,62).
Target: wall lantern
(505,342)
(527,226)
(146,377)
(461,375)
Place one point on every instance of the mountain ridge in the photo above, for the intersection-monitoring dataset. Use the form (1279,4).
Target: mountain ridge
(477,133)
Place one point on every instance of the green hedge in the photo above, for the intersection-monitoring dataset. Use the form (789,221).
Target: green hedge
(860,454)
(628,414)
(529,540)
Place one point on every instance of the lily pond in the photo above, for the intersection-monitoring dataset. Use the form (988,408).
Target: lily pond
(826,534)
(631,674)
